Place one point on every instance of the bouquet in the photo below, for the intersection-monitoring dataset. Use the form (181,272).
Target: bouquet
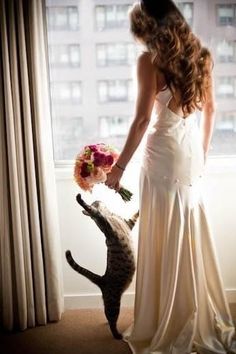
(92,165)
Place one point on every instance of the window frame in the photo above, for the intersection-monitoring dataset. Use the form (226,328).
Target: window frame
(219,23)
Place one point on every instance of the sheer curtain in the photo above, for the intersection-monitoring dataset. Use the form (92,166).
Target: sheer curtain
(30,256)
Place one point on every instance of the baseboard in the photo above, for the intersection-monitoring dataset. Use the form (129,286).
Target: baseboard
(231,295)
(95,300)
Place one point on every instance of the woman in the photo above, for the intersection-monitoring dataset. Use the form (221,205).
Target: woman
(180,303)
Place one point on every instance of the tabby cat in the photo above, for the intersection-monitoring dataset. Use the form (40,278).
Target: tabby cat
(120,258)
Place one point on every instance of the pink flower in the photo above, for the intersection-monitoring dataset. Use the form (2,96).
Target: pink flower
(109,160)
(93,147)
(99,158)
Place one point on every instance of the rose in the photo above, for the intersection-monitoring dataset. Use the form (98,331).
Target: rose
(93,147)
(109,160)
(99,158)
(84,171)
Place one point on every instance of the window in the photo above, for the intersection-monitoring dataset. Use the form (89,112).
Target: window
(64,55)
(226,14)
(69,92)
(66,132)
(226,51)
(187,10)
(226,87)
(115,90)
(111,16)
(109,54)
(225,133)
(92,70)
(62,18)
(114,125)
(226,121)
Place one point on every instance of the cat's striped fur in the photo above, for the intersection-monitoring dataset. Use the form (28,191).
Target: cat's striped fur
(120,258)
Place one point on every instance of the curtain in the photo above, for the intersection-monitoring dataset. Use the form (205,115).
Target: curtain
(30,256)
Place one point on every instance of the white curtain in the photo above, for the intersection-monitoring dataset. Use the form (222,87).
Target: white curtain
(30,257)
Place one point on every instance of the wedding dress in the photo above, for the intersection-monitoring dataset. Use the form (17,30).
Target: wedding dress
(180,305)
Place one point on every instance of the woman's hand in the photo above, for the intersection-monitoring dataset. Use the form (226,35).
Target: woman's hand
(114,177)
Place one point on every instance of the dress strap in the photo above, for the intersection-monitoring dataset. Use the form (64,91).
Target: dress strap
(169,100)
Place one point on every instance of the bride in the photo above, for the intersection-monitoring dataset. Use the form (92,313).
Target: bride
(180,303)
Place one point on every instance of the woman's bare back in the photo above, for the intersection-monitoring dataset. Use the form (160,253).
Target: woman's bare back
(173,104)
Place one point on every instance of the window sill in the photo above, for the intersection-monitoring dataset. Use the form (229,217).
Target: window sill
(216,165)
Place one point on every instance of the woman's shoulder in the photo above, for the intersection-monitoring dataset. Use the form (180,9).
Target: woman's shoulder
(143,55)
(144,61)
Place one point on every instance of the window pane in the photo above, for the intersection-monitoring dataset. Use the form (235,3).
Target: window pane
(73,17)
(110,54)
(66,92)
(92,70)
(67,131)
(226,51)
(226,86)
(74,52)
(100,17)
(62,18)
(111,16)
(226,14)
(103,91)
(115,128)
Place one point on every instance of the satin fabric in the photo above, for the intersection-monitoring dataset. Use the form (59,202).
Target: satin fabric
(180,305)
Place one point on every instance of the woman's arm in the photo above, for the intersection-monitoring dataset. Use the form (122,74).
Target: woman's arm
(208,117)
(146,79)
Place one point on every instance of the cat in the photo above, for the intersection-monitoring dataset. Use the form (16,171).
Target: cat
(121,264)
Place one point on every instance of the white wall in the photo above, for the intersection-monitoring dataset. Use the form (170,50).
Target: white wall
(87,244)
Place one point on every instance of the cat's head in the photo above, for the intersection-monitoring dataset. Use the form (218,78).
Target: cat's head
(99,206)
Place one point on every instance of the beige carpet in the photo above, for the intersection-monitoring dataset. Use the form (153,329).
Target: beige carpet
(83,331)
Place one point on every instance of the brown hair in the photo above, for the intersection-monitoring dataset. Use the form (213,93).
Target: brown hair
(176,52)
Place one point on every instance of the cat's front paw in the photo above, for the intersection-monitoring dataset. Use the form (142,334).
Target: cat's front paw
(79,198)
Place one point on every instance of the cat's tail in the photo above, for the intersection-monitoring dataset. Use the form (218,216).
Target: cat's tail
(95,278)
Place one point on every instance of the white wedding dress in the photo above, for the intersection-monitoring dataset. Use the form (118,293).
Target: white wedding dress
(180,304)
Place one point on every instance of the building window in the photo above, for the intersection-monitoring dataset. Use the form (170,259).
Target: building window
(226,51)
(226,121)
(114,125)
(112,54)
(111,16)
(187,10)
(67,133)
(226,87)
(115,90)
(226,14)
(224,133)
(64,55)
(62,18)
(63,92)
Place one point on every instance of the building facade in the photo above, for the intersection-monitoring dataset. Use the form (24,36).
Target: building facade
(92,70)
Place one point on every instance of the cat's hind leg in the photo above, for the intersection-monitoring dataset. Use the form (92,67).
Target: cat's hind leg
(112,310)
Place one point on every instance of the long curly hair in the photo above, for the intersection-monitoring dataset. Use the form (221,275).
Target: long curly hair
(175,50)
